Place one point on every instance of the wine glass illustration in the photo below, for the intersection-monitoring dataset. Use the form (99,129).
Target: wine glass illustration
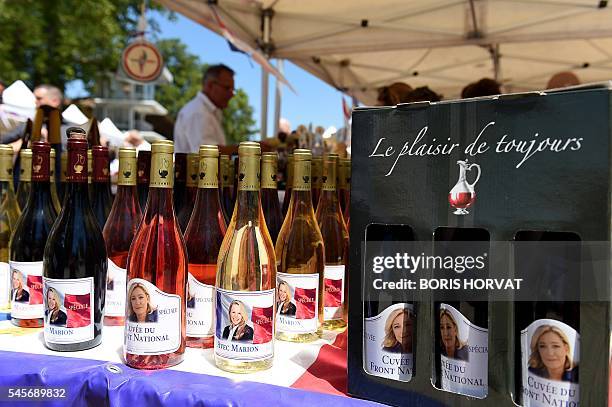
(462,196)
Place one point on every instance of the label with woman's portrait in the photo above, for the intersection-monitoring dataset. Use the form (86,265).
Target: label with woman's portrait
(153,319)
(333,298)
(244,324)
(200,301)
(5,285)
(116,278)
(27,289)
(387,343)
(297,308)
(463,354)
(69,310)
(550,356)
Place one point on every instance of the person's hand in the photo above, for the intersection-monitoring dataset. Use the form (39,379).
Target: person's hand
(133,138)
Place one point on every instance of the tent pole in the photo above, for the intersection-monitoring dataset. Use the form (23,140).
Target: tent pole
(278,97)
(266,16)
(264,104)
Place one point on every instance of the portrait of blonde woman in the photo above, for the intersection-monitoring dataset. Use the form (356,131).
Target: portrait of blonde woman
(284,306)
(18,293)
(139,305)
(237,330)
(53,314)
(451,346)
(398,331)
(551,355)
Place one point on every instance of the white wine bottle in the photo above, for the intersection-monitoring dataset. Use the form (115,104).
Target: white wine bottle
(301,254)
(246,276)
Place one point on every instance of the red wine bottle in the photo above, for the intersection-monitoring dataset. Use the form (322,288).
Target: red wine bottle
(547,331)
(102,199)
(226,187)
(180,179)
(28,243)
(191,189)
(63,173)
(157,275)
(118,233)
(142,176)
(269,195)
(203,239)
(288,185)
(75,263)
(461,327)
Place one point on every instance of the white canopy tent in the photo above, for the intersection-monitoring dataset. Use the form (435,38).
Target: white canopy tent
(359,45)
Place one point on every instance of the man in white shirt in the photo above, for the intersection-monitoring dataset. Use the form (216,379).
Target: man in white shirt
(199,121)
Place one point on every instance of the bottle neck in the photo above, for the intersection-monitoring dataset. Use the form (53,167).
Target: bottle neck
(102,188)
(40,194)
(248,207)
(301,203)
(329,202)
(76,196)
(160,202)
(127,194)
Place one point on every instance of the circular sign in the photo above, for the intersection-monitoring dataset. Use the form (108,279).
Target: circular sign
(142,62)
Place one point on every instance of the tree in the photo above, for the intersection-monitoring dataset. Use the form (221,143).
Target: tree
(187,70)
(55,42)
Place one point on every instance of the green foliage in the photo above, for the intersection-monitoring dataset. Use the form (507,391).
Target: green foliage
(49,41)
(238,119)
(57,41)
(187,70)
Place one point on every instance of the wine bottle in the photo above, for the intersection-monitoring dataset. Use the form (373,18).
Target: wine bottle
(203,239)
(54,196)
(142,178)
(102,198)
(389,321)
(461,327)
(28,243)
(269,194)
(344,184)
(75,263)
(226,191)
(9,214)
(63,172)
(301,254)
(191,189)
(547,331)
(288,184)
(317,180)
(90,176)
(233,174)
(180,179)
(119,231)
(25,177)
(246,277)
(335,238)
(157,275)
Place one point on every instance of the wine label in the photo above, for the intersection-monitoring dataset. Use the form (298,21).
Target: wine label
(550,355)
(297,308)
(268,174)
(6,163)
(127,169)
(301,177)
(5,285)
(200,306)
(162,175)
(464,352)
(245,325)
(208,175)
(193,165)
(69,310)
(153,319)
(328,178)
(26,289)
(387,343)
(116,278)
(248,173)
(333,297)
(25,169)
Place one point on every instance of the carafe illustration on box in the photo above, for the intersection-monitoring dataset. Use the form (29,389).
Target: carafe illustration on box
(463,195)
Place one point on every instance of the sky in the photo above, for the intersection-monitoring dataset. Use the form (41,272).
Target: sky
(315,101)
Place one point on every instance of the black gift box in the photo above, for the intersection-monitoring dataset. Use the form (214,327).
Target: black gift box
(544,164)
